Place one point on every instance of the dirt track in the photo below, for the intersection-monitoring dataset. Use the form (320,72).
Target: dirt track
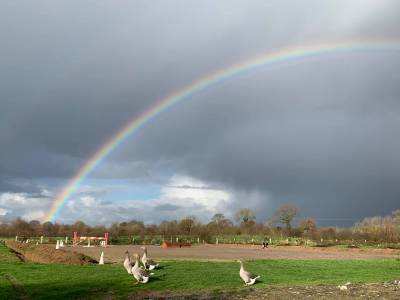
(231,252)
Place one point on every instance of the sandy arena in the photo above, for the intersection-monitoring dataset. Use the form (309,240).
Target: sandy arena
(231,252)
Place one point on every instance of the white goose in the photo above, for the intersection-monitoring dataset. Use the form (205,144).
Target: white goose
(127,263)
(148,263)
(139,273)
(247,277)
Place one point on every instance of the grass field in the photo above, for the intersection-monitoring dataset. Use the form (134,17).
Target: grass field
(39,281)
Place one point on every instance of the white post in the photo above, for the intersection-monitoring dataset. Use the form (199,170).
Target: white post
(61,243)
(16,238)
(41,239)
(216,241)
(88,243)
(198,240)
(66,240)
(58,245)
(270,240)
(101,261)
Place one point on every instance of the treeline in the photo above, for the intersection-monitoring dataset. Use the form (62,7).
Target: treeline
(373,229)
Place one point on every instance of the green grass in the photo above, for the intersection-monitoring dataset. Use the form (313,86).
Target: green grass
(39,281)
(6,255)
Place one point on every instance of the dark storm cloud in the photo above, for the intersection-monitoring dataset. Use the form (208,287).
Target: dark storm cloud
(321,133)
(328,146)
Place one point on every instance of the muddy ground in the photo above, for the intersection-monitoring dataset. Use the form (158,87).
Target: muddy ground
(231,252)
(388,290)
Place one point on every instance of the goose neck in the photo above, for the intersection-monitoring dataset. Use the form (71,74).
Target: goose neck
(136,262)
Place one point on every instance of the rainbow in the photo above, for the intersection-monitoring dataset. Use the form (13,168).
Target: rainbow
(266,59)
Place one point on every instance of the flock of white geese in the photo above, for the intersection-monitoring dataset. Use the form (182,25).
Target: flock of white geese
(142,273)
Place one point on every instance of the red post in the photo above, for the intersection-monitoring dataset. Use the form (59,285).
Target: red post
(76,239)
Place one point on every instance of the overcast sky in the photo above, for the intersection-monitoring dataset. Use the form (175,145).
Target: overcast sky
(321,133)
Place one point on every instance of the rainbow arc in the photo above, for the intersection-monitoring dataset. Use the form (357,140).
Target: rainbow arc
(267,59)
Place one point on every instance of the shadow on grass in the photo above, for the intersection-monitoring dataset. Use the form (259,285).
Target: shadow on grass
(162,267)
(155,279)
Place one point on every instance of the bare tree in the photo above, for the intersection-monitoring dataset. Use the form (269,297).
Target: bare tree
(285,215)
(219,222)
(308,226)
(218,218)
(245,215)
(396,217)
(187,224)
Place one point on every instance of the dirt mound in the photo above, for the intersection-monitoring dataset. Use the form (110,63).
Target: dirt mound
(48,255)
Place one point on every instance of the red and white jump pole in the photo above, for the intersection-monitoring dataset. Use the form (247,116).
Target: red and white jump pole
(78,239)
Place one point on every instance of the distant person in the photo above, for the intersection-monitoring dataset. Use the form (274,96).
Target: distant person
(265,244)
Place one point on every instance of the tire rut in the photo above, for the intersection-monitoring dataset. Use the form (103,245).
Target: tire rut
(19,289)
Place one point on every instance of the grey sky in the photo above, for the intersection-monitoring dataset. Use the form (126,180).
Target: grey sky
(321,132)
